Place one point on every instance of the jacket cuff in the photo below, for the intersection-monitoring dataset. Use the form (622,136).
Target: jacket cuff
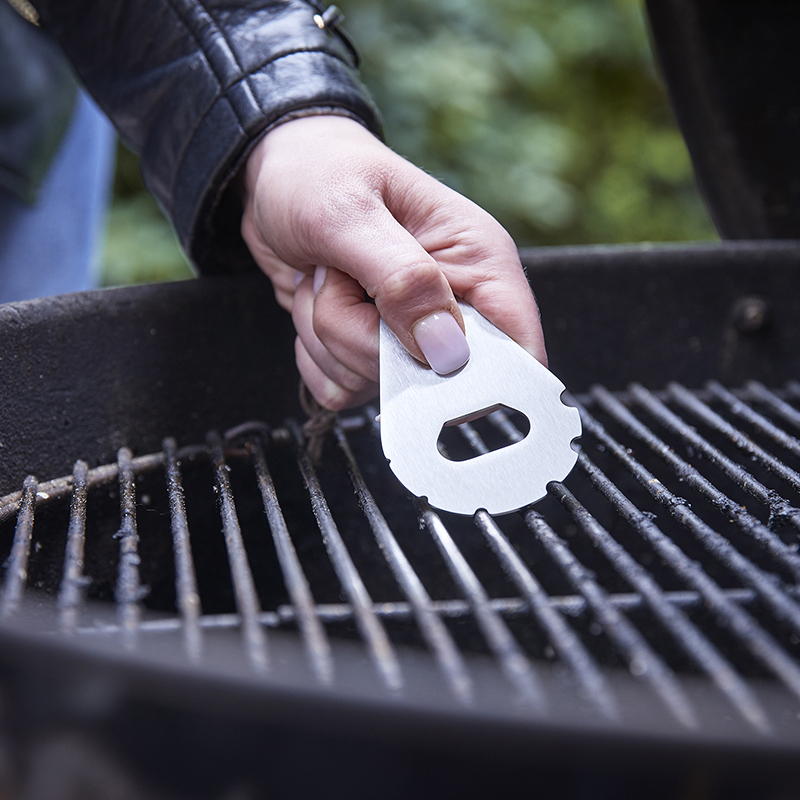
(205,209)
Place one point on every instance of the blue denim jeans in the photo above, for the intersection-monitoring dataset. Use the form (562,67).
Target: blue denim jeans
(54,246)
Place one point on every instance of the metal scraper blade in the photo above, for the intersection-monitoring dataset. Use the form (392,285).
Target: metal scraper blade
(416,403)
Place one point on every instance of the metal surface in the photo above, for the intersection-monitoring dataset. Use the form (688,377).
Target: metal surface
(636,633)
(83,375)
(666,586)
(730,69)
(417,403)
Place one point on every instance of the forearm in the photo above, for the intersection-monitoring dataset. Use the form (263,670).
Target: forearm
(192,85)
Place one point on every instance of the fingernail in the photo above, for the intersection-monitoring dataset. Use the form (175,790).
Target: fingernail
(442,342)
(298,276)
(319,277)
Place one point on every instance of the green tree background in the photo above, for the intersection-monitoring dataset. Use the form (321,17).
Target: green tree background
(548,113)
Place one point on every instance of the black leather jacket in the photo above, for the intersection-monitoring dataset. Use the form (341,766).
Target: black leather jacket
(192,84)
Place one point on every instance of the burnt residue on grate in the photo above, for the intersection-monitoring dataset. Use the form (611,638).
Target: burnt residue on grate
(671,553)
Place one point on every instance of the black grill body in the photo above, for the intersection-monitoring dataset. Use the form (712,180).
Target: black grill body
(635,634)
(730,72)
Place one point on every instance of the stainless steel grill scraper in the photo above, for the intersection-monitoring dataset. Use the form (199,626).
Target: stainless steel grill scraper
(416,403)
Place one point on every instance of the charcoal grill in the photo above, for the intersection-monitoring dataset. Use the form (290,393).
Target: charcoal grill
(192,608)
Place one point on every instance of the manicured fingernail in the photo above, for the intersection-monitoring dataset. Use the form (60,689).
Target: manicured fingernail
(442,342)
(298,276)
(319,277)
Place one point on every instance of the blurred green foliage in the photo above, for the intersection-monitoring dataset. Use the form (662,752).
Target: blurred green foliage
(141,246)
(548,113)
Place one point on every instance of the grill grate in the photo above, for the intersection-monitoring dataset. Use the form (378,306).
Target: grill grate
(671,552)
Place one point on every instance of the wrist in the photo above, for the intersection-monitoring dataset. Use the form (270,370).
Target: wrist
(252,166)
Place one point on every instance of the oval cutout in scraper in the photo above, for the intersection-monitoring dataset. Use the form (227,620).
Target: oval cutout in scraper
(416,402)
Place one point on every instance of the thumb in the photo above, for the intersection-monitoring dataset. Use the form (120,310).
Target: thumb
(412,294)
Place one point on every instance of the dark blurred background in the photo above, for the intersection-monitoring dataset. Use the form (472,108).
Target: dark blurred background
(548,113)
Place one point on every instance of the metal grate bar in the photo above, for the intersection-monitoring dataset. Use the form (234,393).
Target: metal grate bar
(779,507)
(692,477)
(17,569)
(697,407)
(685,633)
(758,421)
(513,661)
(665,682)
(564,640)
(62,487)
(70,595)
(643,661)
(561,636)
(753,636)
(433,630)
(305,612)
(780,407)
(185,580)
(247,602)
(58,488)
(128,591)
(672,422)
(369,625)
(508,607)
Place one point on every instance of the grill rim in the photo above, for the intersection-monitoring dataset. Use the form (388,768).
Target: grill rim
(135,677)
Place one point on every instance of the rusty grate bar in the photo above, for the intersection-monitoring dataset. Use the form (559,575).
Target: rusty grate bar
(750,633)
(702,411)
(17,570)
(758,421)
(128,590)
(511,658)
(306,614)
(247,602)
(561,636)
(59,488)
(433,630)
(775,404)
(717,544)
(692,477)
(70,595)
(369,625)
(507,607)
(779,507)
(185,579)
(642,660)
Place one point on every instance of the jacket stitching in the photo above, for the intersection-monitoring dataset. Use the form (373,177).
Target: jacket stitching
(223,98)
(273,59)
(183,14)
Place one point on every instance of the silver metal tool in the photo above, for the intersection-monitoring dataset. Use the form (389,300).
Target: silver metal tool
(416,403)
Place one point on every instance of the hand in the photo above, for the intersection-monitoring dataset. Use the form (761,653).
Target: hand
(332,216)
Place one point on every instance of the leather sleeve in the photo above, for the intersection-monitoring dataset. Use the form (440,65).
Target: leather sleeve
(192,84)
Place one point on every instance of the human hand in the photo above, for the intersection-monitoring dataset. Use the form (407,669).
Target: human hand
(333,216)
